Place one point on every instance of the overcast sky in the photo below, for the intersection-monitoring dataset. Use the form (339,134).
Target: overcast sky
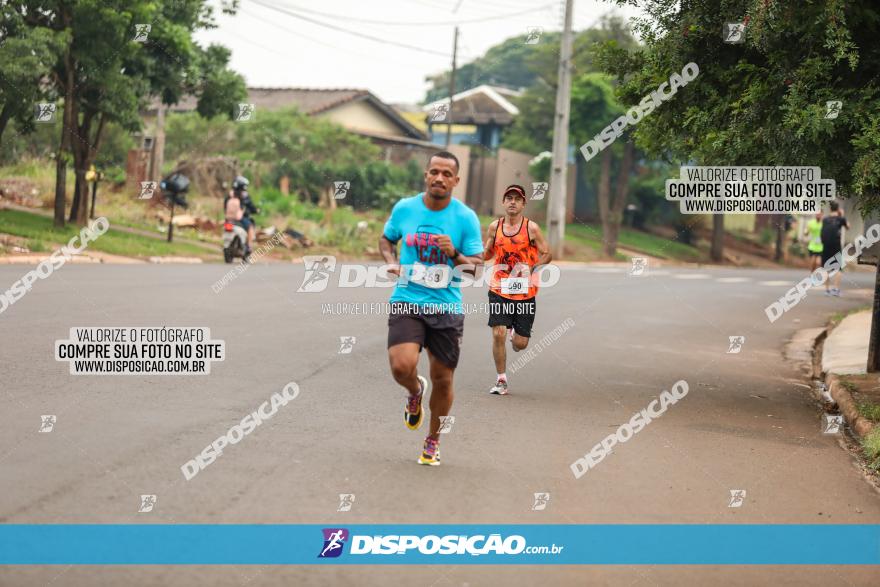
(274,49)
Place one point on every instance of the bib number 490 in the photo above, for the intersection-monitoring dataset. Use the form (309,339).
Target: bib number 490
(515,285)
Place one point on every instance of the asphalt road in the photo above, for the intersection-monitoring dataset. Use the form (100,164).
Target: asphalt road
(748,421)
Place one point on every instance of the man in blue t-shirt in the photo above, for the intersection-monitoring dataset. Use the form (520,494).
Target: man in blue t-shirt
(440,238)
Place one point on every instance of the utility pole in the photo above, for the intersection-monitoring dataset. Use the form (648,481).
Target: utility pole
(451,89)
(559,162)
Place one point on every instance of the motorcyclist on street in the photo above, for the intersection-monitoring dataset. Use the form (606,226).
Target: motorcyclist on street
(239,208)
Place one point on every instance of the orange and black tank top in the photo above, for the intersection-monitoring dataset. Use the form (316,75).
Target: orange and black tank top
(515,257)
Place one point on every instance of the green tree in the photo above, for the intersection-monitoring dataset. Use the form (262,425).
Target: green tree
(505,64)
(763,102)
(532,131)
(104,74)
(593,107)
(26,59)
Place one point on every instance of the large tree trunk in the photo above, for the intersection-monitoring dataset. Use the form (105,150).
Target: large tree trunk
(603,196)
(717,252)
(85,150)
(79,147)
(90,160)
(68,123)
(779,254)
(5,115)
(611,212)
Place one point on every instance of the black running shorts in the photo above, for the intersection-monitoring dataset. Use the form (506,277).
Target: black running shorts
(440,332)
(829,250)
(516,314)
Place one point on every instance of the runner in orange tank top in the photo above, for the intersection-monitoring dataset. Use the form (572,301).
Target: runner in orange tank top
(516,246)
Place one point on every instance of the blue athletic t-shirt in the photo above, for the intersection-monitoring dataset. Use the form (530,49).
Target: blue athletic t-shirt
(426,272)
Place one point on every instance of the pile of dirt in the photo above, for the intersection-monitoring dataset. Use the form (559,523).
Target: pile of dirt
(188,221)
(20,191)
(13,244)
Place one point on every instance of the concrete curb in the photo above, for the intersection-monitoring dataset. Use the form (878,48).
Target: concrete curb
(841,396)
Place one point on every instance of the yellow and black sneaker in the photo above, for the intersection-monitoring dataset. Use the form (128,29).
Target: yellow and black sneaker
(412,411)
(430,453)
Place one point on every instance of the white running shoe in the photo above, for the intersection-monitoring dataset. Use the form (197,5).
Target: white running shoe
(500,387)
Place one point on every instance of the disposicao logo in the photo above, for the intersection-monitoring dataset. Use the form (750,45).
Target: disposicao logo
(334,540)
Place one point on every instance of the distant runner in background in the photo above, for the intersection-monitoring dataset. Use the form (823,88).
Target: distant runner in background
(813,231)
(831,243)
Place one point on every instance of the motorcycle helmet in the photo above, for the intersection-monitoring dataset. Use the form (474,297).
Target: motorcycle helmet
(240,183)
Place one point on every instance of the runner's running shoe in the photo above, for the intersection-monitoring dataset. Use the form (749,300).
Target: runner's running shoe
(430,453)
(412,412)
(500,387)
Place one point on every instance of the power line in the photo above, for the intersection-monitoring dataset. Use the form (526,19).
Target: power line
(350,32)
(411,24)
(336,46)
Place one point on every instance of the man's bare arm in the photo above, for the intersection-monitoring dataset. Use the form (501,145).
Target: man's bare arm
(458,258)
(389,253)
(537,237)
(489,250)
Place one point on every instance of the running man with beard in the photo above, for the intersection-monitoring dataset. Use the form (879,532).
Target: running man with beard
(439,233)
(517,247)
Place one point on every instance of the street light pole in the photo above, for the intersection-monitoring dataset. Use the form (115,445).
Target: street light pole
(559,162)
(451,89)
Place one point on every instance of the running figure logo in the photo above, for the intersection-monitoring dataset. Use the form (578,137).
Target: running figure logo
(832,108)
(147,503)
(245,112)
(832,424)
(539,190)
(147,190)
(639,265)
(734,33)
(318,270)
(736,344)
(340,189)
(346,344)
(446,423)
(541,501)
(44,112)
(47,423)
(141,32)
(737,497)
(346,500)
(533,35)
(334,540)
(440,110)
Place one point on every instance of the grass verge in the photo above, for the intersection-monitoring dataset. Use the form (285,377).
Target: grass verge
(43,236)
(869,410)
(871,448)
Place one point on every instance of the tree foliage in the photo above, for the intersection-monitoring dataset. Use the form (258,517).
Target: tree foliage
(104,74)
(26,58)
(763,102)
(311,152)
(505,64)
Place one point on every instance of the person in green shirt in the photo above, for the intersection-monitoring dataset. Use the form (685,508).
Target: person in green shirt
(814,246)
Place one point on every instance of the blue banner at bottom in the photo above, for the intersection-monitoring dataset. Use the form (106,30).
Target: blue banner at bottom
(530,544)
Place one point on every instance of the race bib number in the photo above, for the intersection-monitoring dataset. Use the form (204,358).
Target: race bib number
(433,276)
(515,285)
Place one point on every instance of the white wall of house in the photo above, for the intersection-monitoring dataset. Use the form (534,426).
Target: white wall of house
(361,115)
